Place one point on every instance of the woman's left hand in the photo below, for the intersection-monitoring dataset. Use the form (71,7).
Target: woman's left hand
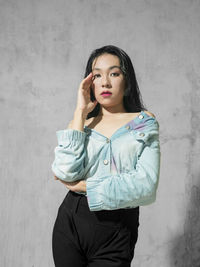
(78,186)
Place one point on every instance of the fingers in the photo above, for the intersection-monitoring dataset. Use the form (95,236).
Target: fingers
(87,81)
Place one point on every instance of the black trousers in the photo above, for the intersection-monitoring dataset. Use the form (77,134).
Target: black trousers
(104,238)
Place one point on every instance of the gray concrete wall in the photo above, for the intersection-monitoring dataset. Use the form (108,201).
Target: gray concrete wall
(44,46)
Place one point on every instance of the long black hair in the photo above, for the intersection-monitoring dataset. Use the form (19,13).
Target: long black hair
(132,99)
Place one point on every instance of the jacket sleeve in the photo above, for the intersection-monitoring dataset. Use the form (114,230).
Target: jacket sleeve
(135,188)
(68,164)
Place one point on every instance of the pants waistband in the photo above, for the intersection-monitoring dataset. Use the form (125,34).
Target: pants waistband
(81,199)
(76,199)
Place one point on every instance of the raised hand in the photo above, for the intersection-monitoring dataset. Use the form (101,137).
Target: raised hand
(84,102)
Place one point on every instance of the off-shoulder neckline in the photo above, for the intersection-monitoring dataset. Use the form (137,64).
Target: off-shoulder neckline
(123,126)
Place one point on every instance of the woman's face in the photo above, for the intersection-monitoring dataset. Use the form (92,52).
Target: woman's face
(107,76)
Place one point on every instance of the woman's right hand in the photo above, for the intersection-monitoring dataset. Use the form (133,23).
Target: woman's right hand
(84,102)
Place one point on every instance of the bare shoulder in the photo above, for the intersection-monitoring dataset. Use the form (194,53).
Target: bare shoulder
(149,113)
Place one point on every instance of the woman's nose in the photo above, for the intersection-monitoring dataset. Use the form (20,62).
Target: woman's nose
(105,81)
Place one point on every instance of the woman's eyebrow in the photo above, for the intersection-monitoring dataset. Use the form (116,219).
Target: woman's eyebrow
(112,67)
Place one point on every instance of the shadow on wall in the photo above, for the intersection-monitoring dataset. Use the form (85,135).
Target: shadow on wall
(186,248)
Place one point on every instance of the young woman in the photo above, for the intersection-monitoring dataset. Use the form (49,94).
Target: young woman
(109,159)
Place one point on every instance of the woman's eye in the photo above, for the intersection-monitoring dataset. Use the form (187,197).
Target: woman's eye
(112,74)
(96,75)
(115,74)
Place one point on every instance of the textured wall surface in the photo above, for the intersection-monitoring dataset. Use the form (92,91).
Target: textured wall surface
(44,46)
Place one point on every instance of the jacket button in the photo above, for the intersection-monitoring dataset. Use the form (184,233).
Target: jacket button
(141,116)
(107,140)
(105,161)
(127,127)
(141,134)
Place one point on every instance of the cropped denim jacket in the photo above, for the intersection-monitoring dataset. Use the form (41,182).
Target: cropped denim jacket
(121,171)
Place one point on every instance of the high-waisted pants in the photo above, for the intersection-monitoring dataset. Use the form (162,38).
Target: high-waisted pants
(104,238)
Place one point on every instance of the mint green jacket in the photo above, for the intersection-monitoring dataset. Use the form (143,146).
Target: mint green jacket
(121,171)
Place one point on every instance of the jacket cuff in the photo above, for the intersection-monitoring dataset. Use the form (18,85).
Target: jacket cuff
(93,196)
(69,136)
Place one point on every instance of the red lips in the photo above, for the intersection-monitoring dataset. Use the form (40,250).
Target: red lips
(106,92)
